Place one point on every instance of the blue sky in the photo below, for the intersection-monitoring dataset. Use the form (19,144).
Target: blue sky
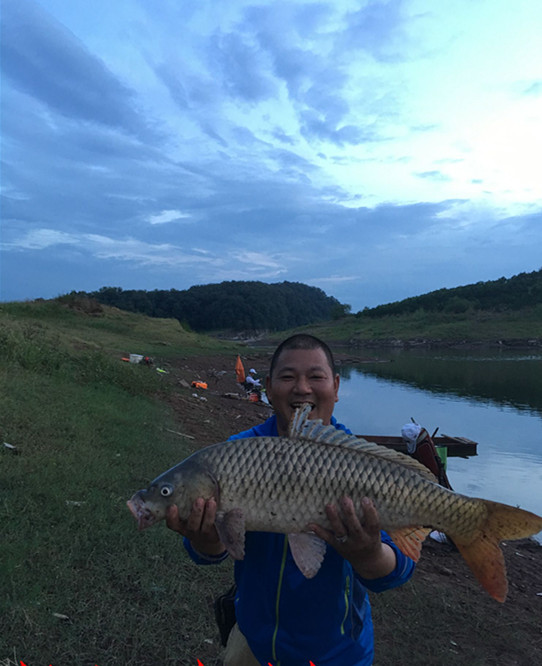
(376,149)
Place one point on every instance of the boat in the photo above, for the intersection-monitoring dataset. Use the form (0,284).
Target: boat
(459,447)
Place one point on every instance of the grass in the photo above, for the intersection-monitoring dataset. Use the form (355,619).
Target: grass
(471,326)
(105,329)
(78,583)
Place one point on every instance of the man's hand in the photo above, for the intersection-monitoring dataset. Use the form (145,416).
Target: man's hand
(357,541)
(199,527)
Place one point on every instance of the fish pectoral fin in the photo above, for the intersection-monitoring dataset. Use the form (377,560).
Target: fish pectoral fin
(231,530)
(409,540)
(308,552)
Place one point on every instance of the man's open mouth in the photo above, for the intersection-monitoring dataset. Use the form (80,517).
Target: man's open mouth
(300,405)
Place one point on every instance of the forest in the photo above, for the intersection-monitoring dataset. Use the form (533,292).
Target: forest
(258,306)
(238,305)
(520,291)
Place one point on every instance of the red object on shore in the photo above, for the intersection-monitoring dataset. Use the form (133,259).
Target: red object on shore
(239,370)
(426,453)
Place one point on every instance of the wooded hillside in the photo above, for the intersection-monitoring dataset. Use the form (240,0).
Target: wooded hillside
(515,293)
(230,305)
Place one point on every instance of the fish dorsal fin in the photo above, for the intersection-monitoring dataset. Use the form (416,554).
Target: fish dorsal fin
(301,427)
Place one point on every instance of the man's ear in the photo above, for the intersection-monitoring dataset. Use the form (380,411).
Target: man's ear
(337,381)
(268,389)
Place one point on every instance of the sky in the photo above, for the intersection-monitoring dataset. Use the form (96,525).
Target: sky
(377,149)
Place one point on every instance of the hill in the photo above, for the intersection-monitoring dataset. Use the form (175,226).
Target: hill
(516,293)
(239,306)
(505,312)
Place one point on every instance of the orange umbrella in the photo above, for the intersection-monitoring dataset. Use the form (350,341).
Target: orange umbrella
(239,370)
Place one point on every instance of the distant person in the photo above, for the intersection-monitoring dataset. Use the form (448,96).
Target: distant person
(252,380)
(283,617)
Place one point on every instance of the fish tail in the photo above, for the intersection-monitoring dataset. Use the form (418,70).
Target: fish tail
(483,554)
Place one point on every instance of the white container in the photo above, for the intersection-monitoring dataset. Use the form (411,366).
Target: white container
(136,358)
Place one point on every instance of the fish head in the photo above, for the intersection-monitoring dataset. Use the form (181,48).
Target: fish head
(144,509)
(181,485)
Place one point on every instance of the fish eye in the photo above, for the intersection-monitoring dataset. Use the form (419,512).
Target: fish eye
(166,490)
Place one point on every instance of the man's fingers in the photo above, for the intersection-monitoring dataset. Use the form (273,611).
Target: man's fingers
(193,524)
(337,526)
(371,521)
(209,516)
(173,521)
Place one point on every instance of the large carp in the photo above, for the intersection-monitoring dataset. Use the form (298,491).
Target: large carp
(282,484)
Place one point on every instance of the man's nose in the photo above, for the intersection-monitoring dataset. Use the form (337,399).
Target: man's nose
(302,385)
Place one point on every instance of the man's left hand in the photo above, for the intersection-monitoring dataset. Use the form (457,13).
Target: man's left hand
(358,541)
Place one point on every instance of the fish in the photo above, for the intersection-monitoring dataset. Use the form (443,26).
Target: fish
(283,484)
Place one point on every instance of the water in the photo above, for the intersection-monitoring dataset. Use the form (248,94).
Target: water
(494,399)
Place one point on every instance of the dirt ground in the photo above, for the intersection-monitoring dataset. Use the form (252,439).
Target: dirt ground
(462,624)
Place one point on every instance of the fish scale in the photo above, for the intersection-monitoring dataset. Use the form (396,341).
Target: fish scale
(282,484)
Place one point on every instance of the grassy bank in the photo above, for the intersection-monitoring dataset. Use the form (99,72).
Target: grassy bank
(474,327)
(78,583)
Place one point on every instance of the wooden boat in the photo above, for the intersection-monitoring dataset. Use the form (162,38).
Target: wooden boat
(457,446)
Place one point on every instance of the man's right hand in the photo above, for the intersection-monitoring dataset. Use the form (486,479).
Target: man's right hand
(199,527)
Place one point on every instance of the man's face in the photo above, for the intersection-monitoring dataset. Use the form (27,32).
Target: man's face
(302,376)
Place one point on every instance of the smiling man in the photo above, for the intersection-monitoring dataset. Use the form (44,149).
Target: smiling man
(283,617)
(301,373)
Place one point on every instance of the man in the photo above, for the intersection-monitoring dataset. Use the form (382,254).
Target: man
(253,384)
(282,617)
(252,380)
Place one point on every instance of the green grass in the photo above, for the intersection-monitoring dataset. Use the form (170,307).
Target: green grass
(116,331)
(89,431)
(471,326)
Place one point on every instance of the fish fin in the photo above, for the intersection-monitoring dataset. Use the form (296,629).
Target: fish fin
(308,552)
(303,427)
(409,540)
(486,561)
(231,530)
(483,555)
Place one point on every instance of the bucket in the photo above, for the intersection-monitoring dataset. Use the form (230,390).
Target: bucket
(443,455)
(136,358)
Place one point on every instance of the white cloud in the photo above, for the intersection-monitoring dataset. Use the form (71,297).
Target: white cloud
(41,239)
(168,216)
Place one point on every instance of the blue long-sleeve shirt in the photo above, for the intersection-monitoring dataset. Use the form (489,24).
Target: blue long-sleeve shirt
(289,620)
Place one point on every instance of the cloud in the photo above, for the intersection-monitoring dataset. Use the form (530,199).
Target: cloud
(257,261)
(378,28)
(332,279)
(99,246)
(434,175)
(41,239)
(534,89)
(241,67)
(43,59)
(168,216)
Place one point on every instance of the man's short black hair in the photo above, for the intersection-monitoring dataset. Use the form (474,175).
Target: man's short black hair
(302,341)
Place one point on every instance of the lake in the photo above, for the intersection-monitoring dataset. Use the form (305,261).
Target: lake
(491,397)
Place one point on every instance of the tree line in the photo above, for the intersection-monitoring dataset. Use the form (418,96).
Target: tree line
(238,305)
(515,293)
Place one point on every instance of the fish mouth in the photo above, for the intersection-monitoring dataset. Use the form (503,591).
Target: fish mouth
(300,405)
(141,512)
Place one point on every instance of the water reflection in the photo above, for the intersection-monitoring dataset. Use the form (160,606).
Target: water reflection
(506,379)
(496,402)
